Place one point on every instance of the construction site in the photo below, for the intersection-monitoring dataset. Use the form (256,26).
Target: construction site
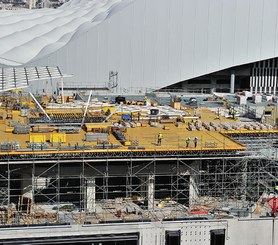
(67,160)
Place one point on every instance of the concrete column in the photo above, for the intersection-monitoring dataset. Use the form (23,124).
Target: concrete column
(27,186)
(91,195)
(151,192)
(232,82)
(193,190)
(251,84)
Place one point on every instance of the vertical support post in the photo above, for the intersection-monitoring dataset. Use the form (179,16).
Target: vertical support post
(150,192)
(232,82)
(91,195)
(58,179)
(256,81)
(244,180)
(9,183)
(62,89)
(193,191)
(33,192)
(275,81)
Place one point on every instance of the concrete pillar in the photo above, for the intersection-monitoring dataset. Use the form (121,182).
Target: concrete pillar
(232,82)
(193,190)
(91,195)
(27,186)
(151,192)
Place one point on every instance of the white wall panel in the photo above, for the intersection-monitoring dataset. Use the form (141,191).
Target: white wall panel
(175,40)
(188,37)
(255,29)
(241,31)
(126,49)
(201,37)
(138,44)
(214,34)
(102,65)
(269,28)
(161,42)
(150,43)
(228,33)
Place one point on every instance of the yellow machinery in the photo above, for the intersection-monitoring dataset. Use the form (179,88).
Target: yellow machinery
(37,138)
(58,138)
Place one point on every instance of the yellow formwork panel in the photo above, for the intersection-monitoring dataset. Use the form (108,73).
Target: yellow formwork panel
(37,138)
(58,138)
(9,129)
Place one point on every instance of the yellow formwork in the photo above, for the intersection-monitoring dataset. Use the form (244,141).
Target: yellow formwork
(9,129)
(58,138)
(37,138)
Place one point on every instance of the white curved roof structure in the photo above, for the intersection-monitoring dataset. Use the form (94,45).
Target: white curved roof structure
(31,34)
(150,43)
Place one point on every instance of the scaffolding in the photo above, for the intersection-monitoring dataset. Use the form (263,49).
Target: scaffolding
(88,186)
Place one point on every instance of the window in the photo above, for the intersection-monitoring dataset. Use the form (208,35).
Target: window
(217,237)
(173,237)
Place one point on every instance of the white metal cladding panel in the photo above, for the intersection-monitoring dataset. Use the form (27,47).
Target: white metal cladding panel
(137,75)
(214,34)
(126,49)
(162,41)
(241,31)
(188,38)
(150,42)
(228,33)
(93,53)
(201,37)
(114,46)
(157,43)
(269,27)
(102,65)
(255,27)
(175,40)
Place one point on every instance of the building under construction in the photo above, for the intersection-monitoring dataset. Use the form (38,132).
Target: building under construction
(94,172)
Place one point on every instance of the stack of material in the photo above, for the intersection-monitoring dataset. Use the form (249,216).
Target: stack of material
(7,146)
(237,126)
(262,126)
(207,126)
(107,146)
(199,126)
(34,145)
(215,125)
(42,129)
(21,129)
(119,136)
(268,126)
(256,127)
(96,137)
(69,130)
(191,126)
(249,126)
(226,126)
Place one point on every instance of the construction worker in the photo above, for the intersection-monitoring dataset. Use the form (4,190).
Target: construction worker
(195,140)
(159,138)
(187,142)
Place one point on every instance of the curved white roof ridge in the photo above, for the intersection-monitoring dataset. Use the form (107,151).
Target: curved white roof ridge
(26,35)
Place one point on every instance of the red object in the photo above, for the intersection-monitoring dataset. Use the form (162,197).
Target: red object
(273,203)
(119,213)
(198,211)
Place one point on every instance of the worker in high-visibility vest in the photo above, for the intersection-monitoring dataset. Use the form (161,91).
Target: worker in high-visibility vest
(187,142)
(159,138)
(195,141)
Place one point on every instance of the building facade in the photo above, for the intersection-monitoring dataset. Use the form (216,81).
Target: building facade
(150,44)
